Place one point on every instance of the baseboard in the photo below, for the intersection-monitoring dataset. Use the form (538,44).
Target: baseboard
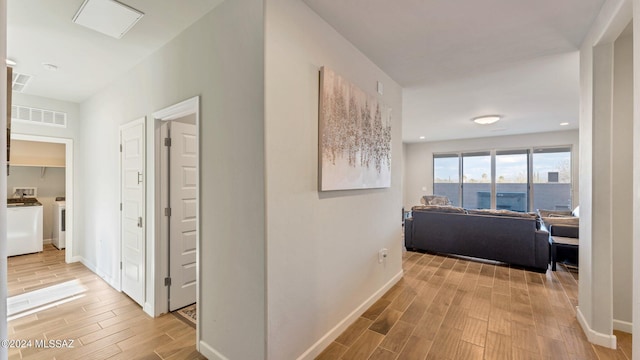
(46,241)
(623,326)
(86,263)
(209,352)
(593,336)
(149,309)
(93,269)
(324,341)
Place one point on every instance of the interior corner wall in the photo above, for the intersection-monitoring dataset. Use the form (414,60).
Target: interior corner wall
(418,162)
(322,247)
(622,209)
(221,59)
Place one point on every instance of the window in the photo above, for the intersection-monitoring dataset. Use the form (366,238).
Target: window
(518,180)
(552,178)
(446,176)
(512,180)
(476,180)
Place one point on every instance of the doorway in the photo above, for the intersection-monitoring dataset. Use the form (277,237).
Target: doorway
(177,205)
(68,187)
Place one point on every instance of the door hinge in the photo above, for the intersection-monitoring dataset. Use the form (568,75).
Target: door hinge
(120,206)
(139,221)
(167,281)
(167,141)
(167,211)
(120,147)
(120,265)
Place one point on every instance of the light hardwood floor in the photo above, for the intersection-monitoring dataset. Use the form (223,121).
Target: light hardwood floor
(103,323)
(450,308)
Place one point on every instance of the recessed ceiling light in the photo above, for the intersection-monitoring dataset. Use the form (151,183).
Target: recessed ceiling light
(564,124)
(10,62)
(486,120)
(421,137)
(50,67)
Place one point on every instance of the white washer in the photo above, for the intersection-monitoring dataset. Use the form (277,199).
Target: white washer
(59,224)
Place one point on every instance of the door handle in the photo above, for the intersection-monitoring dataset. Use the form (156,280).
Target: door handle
(139,178)
(139,221)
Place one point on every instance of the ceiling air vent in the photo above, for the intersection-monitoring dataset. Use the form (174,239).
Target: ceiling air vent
(19,81)
(109,17)
(37,116)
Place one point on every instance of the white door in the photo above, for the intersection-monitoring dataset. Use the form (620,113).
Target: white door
(132,160)
(183,175)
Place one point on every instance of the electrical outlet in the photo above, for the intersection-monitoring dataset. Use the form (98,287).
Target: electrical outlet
(382,255)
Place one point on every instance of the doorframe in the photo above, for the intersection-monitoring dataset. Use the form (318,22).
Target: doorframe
(68,186)
(160,256)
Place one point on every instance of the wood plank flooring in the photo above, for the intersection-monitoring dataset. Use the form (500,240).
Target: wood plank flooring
(452,308)
(103,323)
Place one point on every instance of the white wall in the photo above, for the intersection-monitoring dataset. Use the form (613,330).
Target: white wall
(3,178)
(72,110)
(595,293)
(322,248)
(49,187)
(636,177)
(70,132)
(419,158)
(622,156)
(220,58)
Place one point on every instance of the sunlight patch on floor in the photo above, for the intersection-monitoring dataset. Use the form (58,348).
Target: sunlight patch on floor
(45,298)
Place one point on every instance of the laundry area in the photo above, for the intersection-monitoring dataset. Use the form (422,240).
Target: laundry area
(36,213)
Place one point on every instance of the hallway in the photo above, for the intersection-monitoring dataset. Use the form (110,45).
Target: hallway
(77,306)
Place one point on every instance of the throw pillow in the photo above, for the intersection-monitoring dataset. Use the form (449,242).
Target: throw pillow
(576,211)
(435,200)
(546,213)
(568,220)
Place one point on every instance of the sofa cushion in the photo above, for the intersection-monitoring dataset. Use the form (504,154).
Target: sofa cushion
(501,212)
(435,200)
(439,208)
(558,220)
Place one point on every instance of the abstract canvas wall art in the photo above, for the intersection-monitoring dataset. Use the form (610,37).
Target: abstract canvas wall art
(354,136)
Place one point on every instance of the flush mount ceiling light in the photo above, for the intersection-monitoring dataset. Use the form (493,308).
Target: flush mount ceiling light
(107,16)
(10,62)
(50,67)
(486,120)
(564,124)
(421,137)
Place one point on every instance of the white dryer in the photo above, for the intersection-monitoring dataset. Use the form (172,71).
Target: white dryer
(59,220)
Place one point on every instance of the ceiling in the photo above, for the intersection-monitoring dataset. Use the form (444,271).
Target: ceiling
(460,59)
(41,31)
(455,59)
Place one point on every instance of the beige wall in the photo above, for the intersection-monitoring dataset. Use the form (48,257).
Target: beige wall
(418,160)
(322,247)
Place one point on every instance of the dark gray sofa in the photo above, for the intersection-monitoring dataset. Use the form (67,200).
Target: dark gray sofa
(513,240)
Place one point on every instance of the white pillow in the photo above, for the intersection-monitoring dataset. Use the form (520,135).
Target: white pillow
(576,211)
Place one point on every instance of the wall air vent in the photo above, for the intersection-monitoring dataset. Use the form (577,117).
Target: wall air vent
(37,116)
(19,81)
